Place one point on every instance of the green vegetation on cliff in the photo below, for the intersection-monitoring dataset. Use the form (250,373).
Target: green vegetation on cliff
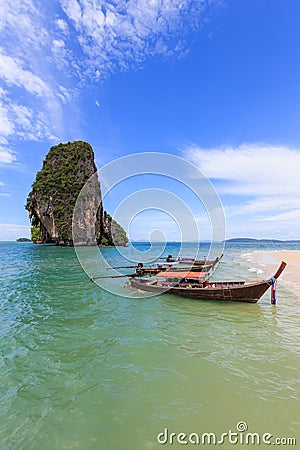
(118,233)
(36,234)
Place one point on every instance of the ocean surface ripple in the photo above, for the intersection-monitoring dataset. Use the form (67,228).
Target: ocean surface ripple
(83,368)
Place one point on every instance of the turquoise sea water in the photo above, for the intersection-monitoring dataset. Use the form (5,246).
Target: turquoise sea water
(82,368)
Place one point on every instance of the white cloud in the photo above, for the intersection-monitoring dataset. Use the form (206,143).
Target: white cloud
(62,25)
(61,55)
(262,229)
(250,169)
(31,103)
(260,186)
(7,156)
(112,35)
(58,43)
(263,205)
(47,53)
(117,35)
(12,72)
(11,232)
(288,216)
(3,140)
(6,125)
(25,20)
(266,214)
(4,195)
(21,121)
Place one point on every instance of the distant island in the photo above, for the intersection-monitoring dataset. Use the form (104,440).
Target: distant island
(22,239)
(52,200)
(249,240)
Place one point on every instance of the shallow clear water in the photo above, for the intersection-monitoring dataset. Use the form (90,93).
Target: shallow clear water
(83,368)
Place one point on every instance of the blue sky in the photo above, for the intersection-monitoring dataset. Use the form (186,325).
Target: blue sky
(214,82)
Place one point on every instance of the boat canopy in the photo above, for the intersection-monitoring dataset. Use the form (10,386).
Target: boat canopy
(183,274)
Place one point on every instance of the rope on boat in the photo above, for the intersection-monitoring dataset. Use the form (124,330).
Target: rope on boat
(273,290)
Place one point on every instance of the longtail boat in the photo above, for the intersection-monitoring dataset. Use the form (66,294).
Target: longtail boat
(188,260)
(207,267)
(180,267)
(194,285)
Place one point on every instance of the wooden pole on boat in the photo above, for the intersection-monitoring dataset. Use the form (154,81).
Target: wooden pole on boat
(280,270)
(114,276)
(274,281)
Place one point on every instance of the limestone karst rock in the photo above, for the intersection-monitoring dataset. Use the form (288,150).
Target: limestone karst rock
(51,202)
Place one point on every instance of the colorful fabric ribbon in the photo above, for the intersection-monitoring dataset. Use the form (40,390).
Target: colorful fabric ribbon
(273,290)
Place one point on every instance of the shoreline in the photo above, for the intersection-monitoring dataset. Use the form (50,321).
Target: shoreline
(270,260)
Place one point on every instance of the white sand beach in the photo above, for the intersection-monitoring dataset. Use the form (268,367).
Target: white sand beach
(269,261)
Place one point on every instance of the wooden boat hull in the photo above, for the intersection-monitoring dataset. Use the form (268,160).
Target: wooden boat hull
(249,293)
